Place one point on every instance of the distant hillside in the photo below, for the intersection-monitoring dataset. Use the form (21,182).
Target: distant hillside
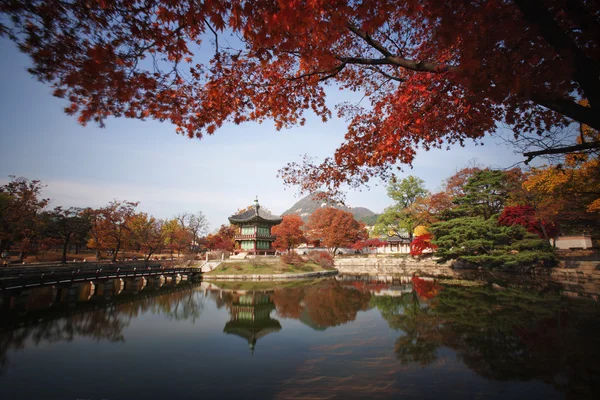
(370,220)
(306,206)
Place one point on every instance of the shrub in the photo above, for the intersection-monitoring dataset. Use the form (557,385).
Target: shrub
(292,258)
(323,258)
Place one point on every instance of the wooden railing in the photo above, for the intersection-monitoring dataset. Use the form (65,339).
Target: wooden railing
(255,236)
(25,277)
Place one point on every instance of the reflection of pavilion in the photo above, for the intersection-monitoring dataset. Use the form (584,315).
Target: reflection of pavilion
(251,317)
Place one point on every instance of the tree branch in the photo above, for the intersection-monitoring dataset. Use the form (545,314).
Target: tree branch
(391,59)
(568,108)
(562,150)
(585,70)
(216,37)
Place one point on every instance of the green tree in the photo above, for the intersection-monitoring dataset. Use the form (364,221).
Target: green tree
(482,242)
(404,216)
(484,194)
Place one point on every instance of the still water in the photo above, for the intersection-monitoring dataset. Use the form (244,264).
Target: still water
(333,338)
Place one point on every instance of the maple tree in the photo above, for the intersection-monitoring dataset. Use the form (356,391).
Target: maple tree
(525,215)
(421,243)
(568,192)
(223,239)
(372,242)
(20,207)
(110,227)
(435,73)
(289,232)
(334,228)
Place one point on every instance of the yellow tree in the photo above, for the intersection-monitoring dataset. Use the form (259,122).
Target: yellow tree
(176,237)
(570,190)
(146,234)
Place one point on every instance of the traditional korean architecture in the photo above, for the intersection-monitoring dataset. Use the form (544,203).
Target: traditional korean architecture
(254,234)
(251,317)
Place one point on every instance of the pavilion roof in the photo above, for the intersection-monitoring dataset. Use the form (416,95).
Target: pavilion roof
(255,214)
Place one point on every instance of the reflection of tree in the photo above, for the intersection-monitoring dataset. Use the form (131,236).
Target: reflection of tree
(426,289)
(184,305)
(421,338)
(97,319)
(104,324)
(289,302)
(513,334)
(321,305)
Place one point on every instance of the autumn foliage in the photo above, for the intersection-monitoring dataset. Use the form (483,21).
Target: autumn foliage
(370,243)
(335,228)
(425,289)
(421,243)
(289,232)
(223,239)
(525,216)
(435,72)
(292,258)
(323,258)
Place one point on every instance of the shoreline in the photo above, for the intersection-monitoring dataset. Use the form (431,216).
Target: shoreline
(270,277)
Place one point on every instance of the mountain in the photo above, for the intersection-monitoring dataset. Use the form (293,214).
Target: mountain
(306,206)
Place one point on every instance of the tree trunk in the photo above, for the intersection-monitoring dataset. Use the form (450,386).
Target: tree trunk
(114,256)
(544,231)
(65,248)
(4,245)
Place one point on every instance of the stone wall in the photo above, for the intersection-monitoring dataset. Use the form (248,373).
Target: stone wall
(568,271)
(392,265)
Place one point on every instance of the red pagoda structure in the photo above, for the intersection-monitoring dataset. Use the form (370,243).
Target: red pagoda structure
(254,235)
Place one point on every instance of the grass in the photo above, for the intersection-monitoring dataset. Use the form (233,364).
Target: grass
(249,268)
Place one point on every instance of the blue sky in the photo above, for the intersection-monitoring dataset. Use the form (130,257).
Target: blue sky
(147,161)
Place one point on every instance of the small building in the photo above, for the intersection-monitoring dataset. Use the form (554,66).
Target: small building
(254,235)
(573,242)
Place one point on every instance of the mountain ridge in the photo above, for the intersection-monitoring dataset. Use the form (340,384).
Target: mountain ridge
(307,205)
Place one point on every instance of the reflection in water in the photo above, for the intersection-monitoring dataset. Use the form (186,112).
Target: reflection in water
(98,311)
(251,317)
(366,337)
(510,333)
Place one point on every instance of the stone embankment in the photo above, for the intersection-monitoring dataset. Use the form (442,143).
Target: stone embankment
(566,271)
(270,277)
(393,265)
(570,270)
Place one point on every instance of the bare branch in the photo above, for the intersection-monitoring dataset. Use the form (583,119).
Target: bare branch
(216,37)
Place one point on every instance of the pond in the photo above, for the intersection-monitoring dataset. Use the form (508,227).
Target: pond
(357,337)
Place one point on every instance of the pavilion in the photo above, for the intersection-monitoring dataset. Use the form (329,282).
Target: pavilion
(254,235)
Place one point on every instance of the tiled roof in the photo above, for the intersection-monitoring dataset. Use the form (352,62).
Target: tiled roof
(397,238)
(256,213)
